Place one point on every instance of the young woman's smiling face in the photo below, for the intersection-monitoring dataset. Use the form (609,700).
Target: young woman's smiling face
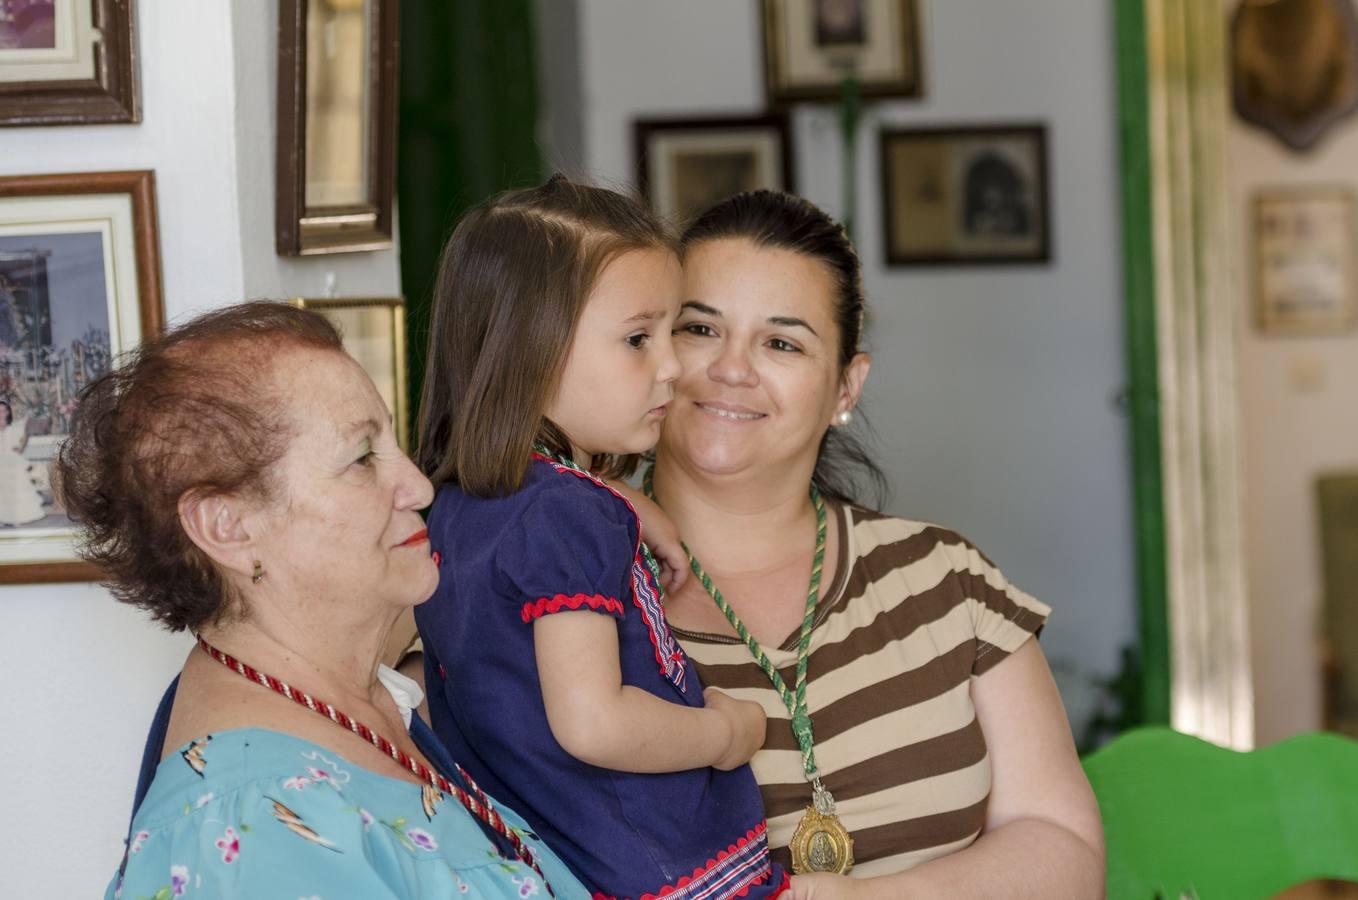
(758,348)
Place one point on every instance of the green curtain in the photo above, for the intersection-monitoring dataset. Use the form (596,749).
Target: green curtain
(468,129)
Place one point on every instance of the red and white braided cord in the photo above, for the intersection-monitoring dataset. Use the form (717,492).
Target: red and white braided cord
(478,805)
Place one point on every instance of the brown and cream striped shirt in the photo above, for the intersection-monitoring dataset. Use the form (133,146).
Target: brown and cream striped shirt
(913,614)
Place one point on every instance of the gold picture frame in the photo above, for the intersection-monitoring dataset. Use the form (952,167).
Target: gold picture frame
(1303,250)
(374,333)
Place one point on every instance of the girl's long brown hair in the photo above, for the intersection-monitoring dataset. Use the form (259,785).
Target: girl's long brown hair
(512,282)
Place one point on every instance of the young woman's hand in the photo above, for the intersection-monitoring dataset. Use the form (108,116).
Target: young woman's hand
(747,721)
(823,886)
(660,535)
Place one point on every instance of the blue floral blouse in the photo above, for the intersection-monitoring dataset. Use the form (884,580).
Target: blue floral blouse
(255,813)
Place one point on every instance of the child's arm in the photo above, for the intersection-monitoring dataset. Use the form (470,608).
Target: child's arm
(659,534)
(601,721)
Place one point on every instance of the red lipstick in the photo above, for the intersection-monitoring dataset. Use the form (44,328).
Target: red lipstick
(418,537)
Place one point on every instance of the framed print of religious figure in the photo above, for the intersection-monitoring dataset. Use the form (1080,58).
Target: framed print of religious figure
(68,62)
(79,285)
(686,166)
(962,196)
(1304,260)
(336,154)
(810,46)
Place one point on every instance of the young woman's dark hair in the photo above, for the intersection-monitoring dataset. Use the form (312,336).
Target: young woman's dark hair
(787,222)
(512,282)
(193,410)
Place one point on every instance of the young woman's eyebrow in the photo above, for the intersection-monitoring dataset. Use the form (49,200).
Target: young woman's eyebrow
(791,322)
(700,308)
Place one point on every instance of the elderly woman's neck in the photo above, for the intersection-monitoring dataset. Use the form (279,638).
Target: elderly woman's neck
(336,656)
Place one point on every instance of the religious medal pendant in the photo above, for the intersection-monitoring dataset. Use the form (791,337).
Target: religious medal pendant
(821,843)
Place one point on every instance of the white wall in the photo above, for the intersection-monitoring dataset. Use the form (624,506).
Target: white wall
(992,388)
(1298,422)
(82,674)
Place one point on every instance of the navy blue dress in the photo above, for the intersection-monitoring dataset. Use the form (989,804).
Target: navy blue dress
(565,541)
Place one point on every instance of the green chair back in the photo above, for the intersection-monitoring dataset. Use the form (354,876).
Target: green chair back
(1186,818)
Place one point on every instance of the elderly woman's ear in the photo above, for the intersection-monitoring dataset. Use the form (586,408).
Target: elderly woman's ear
(220,526)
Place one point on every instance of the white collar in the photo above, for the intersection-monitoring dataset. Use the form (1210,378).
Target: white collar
(405,691)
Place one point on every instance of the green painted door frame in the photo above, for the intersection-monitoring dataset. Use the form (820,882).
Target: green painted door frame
(1143,391)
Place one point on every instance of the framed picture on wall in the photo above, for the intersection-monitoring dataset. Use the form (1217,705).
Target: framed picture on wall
(68,62)
(1304,260)
(374,331)
(956,196)
(810,45)
(685,166)
(336,154)
(79,285)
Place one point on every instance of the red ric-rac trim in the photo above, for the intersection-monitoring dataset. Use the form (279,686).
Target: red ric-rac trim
(547,605)
(736,869)
(671,658)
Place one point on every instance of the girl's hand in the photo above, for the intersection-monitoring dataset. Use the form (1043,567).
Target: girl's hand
(747,721)
(660,535)
(823,886)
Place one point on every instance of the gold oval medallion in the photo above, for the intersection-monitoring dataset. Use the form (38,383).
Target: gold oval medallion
(821,844)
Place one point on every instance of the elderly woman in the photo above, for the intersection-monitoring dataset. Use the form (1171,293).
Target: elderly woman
(915,739)
(240,478)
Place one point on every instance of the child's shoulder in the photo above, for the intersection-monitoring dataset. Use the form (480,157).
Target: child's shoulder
(549,489)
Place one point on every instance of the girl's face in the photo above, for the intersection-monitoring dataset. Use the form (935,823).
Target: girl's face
(758,343)
(620,372)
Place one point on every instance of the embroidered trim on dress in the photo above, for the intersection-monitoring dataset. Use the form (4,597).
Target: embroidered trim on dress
(547,605)
(645,593)
(736,869)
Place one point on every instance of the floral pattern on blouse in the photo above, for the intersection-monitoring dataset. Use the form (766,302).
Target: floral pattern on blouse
(259,813)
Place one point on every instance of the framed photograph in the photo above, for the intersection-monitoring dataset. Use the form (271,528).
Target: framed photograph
(79,285)
(1303,260)
(68,62)
(810,45)
(685,166)
(374,330)
(965,195)
(336,154)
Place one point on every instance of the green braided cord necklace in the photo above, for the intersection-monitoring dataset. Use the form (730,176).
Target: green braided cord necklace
(820,843)
(795,699)
(541,449)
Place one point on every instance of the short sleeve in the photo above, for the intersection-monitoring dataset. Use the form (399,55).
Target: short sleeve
(1003,616)
(571,548)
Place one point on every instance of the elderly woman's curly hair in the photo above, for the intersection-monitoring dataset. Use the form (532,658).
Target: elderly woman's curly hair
(196,410)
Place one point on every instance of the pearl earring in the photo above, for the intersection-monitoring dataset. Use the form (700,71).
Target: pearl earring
(844,418)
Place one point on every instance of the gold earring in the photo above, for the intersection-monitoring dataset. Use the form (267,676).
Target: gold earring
(258,575)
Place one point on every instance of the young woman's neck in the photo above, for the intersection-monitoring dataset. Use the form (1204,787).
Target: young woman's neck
(746,516)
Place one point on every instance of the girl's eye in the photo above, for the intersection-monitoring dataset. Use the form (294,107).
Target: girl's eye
(697,328)
(784,346)
(638,340)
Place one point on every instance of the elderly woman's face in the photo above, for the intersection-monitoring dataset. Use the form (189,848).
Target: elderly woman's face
(345,525)
(758,347)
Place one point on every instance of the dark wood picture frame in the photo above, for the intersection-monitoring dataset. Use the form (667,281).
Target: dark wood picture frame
(139,186)
(301,230)
(645,130)
(780,92)
(112,96)
(1039,237)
